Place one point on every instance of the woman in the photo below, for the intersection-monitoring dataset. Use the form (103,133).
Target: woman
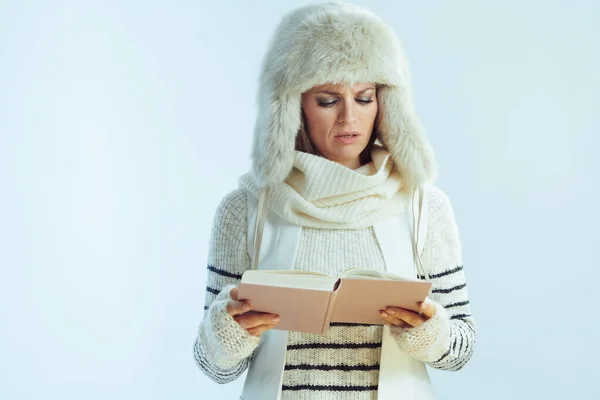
(339,148)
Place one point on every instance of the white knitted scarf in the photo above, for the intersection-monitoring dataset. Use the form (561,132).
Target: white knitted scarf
(320,193)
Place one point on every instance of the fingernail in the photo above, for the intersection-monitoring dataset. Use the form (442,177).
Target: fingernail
(384,315)
(391,311)
(246,307)
(276,320)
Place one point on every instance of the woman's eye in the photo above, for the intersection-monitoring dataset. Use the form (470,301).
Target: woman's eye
(327,103)
(365,100)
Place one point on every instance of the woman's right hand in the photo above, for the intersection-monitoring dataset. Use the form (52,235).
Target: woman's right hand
(255,323)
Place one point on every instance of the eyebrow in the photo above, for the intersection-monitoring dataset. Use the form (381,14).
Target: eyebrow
(337,93)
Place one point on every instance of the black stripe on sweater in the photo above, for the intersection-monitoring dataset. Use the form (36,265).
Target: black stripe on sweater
(463,340)
(211,290)
(223,273)
(460,316)
(217,374)
(341,367)
(460,361)
(446,354)
(330,388)
(450,290)
(464,359)
(460,304)
(445,273)
(334,346)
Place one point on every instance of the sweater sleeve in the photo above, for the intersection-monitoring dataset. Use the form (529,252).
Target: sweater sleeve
(447,340)
(223,348)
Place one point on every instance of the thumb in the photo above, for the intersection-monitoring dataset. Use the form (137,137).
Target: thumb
(428,308)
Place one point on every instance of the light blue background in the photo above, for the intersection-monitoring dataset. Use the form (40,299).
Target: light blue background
(123,124)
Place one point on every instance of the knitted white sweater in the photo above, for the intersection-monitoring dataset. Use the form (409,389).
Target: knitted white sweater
(344,363)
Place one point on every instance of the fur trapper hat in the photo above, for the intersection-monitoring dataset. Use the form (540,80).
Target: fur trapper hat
(336,42)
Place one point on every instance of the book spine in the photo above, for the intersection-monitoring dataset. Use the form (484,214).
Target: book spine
(330,307)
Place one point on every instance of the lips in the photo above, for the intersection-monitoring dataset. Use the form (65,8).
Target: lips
(347,134)
(347,137)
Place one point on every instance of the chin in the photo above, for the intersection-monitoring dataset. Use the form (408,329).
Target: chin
(345,155)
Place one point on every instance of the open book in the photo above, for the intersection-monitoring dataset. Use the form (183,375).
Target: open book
(309,301)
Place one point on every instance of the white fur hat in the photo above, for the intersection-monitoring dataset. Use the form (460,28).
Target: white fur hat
(336,42)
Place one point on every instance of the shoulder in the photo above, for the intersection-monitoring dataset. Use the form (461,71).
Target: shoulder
(437,199)
(232,210)
(441,223)
(439,207)
(441,254)
(228,251)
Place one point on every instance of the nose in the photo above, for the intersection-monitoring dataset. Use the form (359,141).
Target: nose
(347,115)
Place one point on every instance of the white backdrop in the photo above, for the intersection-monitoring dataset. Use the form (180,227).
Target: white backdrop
(123,124)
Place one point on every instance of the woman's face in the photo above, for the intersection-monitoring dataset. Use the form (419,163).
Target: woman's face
(339,120)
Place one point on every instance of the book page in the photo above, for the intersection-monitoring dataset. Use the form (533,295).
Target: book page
(359,300)
(364,273)
(300,310)
(289,279)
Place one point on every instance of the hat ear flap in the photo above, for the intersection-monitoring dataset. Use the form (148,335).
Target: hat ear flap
(403,136)
(276,128)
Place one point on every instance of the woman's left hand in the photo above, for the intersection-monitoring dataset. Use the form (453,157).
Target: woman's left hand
(408,319)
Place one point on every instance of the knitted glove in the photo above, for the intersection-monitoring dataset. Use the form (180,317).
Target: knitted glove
(427,342)
(222,337)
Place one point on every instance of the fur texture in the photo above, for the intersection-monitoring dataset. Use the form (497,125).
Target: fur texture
(336,42)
